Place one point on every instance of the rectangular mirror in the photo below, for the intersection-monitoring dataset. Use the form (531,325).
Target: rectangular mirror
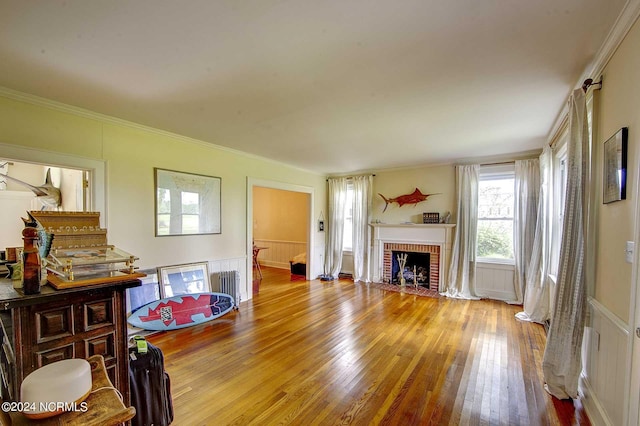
(186,203)
(615,167)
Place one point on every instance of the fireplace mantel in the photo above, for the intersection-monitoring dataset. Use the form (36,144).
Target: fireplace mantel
(437,234)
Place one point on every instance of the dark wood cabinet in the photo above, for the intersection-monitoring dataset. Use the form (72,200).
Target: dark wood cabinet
(60,324)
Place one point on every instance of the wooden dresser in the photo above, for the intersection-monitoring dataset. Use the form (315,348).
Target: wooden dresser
(58,324)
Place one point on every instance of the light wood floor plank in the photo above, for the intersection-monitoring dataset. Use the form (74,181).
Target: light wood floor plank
(331,353)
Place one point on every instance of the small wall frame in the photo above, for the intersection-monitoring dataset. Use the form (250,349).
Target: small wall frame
(188,278)
(614,184)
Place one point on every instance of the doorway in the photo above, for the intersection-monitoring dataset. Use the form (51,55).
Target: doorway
(258,193)
(23,183)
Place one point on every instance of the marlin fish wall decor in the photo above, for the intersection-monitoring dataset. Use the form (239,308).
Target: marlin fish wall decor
(414,198)
(48,194)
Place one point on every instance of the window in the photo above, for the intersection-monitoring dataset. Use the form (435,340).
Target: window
(495,213)
(559,192)
(347,233)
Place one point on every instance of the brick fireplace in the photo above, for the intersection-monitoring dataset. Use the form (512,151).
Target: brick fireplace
(434,239)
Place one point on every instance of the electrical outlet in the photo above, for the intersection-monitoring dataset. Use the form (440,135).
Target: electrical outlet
(628,252)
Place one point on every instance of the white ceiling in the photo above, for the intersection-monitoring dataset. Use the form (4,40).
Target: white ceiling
(331,86)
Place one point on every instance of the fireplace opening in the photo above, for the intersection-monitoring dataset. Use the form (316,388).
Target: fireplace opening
(416,269)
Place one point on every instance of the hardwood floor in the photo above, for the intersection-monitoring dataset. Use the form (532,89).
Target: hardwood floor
(327,353)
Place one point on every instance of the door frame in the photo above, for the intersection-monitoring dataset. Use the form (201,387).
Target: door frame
(264,183)
(632,415)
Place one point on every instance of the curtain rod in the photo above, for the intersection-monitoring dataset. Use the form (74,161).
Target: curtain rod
(498,163)
(589,82)
(349,177)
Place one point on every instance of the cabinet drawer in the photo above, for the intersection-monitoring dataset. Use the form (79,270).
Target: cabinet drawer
(104,345)
(55,354)
(98,314)
(54,324)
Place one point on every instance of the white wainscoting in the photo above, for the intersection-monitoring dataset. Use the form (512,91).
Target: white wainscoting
(234,264)
(347,262)
(495,281)
(279,253)
(604,360)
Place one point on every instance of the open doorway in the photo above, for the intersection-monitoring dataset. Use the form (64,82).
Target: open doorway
(32,186)
(280,230)
(81,181)
(279,218)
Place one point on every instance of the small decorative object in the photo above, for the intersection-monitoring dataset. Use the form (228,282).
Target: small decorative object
(31,266)
(414,198)
(445,217)
(614,183)
(187,203)
(80,255)
(430,217)
(402,261)
(49,195)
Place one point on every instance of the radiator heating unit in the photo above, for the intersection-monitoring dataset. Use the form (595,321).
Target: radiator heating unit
(227,282)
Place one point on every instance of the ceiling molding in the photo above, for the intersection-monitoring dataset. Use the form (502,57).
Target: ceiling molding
(106,119)
(621,28)
(623,24)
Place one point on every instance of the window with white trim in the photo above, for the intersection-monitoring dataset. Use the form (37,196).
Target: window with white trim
(496,205)
(559,193)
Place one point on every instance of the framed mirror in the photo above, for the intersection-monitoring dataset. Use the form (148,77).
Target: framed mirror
(615,167)
(186,203)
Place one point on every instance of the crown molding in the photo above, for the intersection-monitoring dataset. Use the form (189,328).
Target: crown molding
(628,16)
(107,119)
(620,29)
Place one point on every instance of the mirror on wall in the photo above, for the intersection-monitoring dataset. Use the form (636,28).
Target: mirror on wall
(24,186)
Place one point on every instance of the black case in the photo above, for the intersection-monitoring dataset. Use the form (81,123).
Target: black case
(150,388)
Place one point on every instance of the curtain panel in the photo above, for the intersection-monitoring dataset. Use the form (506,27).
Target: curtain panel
(362,190)
(462,270)
(562,356)
(337,193)
(527,192)
(536,290)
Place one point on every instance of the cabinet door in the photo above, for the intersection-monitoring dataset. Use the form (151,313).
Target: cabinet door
(76,327)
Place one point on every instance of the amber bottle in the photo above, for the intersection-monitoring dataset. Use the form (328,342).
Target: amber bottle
(31,266)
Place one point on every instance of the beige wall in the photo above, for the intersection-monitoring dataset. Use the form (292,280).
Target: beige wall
(428,179)
(130,153)
(280,215)
(619,106)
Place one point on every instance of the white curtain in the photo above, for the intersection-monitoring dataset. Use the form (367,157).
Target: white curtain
(337,192)
(536,293)
(527,191)
(361,236)
(561,362)
(462,271)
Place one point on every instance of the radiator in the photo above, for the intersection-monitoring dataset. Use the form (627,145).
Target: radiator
(227,282)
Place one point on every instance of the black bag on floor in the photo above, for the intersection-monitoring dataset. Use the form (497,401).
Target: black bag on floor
(150,387)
